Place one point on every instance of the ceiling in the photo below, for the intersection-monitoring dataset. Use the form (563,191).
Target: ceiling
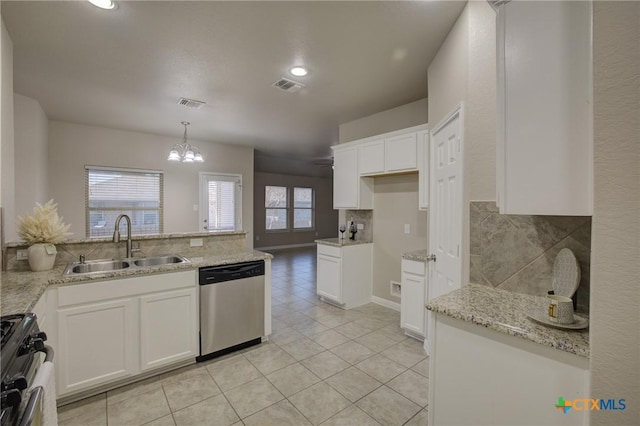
(126,68)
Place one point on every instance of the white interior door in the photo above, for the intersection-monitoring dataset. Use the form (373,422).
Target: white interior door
(445,205)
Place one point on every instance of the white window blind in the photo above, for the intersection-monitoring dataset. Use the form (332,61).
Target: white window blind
(111,192)
(221,202)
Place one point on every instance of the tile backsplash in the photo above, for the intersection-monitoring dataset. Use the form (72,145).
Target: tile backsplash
(361,216)
(516,252)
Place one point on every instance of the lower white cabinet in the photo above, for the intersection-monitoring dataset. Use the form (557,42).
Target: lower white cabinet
(97,344)
(344,274)
(117,329)
(413,314)
(167,330)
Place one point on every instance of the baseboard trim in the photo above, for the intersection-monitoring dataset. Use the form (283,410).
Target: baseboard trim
(288,246)
(386,303)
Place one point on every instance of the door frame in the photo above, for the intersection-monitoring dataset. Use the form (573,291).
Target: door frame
(202,191)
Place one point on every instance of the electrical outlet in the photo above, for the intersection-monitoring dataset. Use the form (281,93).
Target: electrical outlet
(22,254)
(196,242)
(407,228)
(360,226)
(195,207)
(257,237)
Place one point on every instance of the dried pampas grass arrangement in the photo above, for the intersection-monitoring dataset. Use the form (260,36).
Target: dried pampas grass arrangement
(45,226)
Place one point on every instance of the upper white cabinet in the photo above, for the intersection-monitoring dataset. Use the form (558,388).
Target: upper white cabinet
(355,163)
(544,123)
(423,169)
(349,190)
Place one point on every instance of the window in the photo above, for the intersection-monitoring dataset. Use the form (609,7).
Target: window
(220,202)
(302,208)
(276,204)
(279,216)
(111,192)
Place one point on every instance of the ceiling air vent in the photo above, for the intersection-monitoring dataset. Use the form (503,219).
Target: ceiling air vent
(191,103)
(288,85)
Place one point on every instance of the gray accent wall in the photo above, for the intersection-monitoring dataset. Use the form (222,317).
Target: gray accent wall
(516,252)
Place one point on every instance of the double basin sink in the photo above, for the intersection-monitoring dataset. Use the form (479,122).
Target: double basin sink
(108,265)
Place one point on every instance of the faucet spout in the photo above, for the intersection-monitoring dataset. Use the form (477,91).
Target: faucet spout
(116,233)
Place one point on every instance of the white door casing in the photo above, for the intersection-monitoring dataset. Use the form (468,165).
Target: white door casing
(445,202)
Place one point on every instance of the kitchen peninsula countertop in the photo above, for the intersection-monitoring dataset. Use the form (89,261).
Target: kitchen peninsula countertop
(338,242)
(21,290)
(417,255)
(506,312)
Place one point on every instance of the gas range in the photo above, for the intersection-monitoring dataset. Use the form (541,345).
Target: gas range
(20,341)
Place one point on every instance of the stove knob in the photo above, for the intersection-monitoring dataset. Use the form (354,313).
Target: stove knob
(11,398)
(39,335)
(16,382)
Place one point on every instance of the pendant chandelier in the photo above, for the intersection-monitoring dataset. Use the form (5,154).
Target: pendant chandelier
(184,151)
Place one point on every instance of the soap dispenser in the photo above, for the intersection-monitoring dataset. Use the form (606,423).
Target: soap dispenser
(353,229)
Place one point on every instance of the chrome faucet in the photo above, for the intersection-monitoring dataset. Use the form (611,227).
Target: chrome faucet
(116,233)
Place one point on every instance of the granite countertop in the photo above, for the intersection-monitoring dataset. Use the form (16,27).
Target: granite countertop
(338,242)
(21,290)
(418,255)
(506,312)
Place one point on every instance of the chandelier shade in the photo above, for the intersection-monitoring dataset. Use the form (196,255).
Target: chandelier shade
(184,151)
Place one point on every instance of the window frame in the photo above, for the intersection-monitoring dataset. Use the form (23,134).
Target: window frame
(312,209)
(125,170)
(286,209)
(203,178)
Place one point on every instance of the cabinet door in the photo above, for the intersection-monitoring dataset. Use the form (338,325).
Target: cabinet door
(97,344)
(168,328)
(402,153)
(345,178)
(412,310)
(329,282)
(544,118)
(371,157)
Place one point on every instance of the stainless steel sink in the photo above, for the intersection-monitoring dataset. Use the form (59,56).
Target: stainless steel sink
(96,266)
(108,265)
(159,260)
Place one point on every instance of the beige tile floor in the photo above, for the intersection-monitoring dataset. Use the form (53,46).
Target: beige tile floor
(322,365)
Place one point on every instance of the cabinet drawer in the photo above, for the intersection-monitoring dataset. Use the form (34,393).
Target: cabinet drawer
(413,267)
(329,250)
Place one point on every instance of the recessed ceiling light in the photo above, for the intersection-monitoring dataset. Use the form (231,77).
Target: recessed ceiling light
(299,71)
(104,4)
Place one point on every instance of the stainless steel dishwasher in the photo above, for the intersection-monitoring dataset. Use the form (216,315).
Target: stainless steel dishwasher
(231,308)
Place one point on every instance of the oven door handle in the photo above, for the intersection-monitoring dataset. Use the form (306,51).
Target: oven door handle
(34,407)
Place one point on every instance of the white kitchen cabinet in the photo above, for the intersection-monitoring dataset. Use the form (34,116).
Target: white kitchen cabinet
(371,157)
(423,169)
(401,153)
(544,121)
(350,191)
(413,314)
(112,330)
(174,314)
(97,344)
(344,274)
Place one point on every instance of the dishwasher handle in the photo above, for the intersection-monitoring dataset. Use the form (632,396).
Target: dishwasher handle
(217,274)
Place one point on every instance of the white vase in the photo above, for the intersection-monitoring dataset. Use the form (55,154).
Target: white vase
(41,256)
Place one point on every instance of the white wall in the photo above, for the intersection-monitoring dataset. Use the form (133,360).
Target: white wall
(464,70)
(72,146)
(615,253)
(31,147)
(7,173)
(395,203)
(408,115)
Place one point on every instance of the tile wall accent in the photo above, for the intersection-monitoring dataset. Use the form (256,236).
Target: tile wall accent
(516,252)
(361,216)
(212,244)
